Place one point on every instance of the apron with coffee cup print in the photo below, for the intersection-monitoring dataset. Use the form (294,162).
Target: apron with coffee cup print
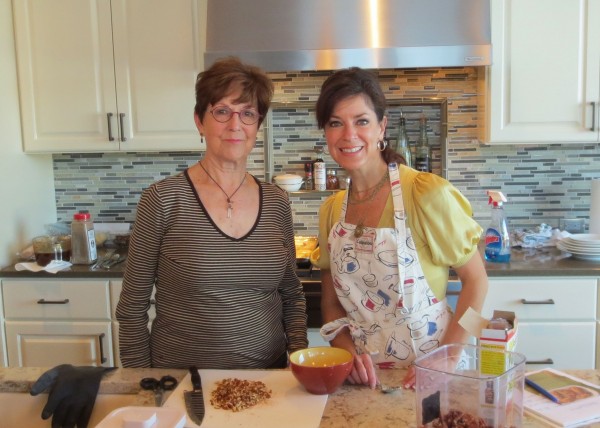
(392,312)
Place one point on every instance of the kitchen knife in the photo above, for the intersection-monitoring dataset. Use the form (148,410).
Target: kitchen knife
(194,400)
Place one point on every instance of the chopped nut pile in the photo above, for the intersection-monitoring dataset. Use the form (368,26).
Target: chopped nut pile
(238,394)
(457,419)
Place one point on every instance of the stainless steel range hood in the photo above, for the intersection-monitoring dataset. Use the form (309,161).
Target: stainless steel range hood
(280,35)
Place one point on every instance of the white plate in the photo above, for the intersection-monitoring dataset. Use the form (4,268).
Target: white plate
(586,257)
(587,244)
(583,255)
(586,237)
(581,248)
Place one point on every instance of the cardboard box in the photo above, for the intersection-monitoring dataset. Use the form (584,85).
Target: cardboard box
(500,390)
(494,343)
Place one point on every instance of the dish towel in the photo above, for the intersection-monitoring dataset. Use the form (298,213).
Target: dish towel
(52,267)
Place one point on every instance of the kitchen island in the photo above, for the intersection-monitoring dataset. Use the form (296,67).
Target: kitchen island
(350,406)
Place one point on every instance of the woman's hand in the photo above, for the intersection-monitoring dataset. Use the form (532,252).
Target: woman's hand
(363,372)
(410,378)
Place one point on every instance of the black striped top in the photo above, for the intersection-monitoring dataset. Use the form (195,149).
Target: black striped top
(221,302)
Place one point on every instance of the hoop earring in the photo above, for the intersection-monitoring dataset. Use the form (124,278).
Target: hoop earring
(381,145)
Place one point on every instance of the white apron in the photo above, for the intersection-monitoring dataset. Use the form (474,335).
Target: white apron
(392,312)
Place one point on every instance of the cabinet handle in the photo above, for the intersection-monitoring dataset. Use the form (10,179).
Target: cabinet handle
(52,302)
(121,117)
(546,361)
(102,357)
(537,302)
(110,136)
(593,115)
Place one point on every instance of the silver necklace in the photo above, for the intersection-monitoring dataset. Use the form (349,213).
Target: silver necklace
(229,201)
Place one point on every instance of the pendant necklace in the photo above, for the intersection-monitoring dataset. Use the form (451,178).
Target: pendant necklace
(229,201)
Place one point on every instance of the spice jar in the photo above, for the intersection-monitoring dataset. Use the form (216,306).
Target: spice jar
(308,176)
(332,182)
(83,239)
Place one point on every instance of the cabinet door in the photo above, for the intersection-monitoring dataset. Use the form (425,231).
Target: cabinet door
(102,75)
(66,74)
(46,344)
(561,345)
(158,49)
(545,73)
(3,355)
(543,299)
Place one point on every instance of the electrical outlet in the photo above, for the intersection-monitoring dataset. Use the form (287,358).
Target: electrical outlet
(572,225)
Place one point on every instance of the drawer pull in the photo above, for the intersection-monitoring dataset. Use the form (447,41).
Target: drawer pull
(546,361)
(121,117)
(52,302)
(110,136)
(537,302)
(102,357)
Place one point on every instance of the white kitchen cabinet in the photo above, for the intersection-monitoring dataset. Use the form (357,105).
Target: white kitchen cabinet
(544,83)
(557,318)
(51,322)
(3,355)
(108,75)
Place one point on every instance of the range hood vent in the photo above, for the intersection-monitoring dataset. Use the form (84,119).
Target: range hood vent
(282,35)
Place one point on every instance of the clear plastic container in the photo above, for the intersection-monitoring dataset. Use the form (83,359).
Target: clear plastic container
(449,385)
(83,239)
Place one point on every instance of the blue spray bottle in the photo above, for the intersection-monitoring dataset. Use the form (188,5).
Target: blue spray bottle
(497,239)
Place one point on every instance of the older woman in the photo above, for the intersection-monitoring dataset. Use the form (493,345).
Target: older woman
(387,242)
(217,245)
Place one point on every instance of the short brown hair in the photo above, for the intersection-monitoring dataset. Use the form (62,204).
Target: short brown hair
(228,75)
(347,83)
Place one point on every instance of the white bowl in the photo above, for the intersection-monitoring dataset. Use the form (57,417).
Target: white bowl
(288,179)
(294,187)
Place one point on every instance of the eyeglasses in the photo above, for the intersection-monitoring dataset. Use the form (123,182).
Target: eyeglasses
(223,114)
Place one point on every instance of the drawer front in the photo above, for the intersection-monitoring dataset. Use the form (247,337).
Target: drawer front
(47,344)
(564,345)
(56,299)
(543,299)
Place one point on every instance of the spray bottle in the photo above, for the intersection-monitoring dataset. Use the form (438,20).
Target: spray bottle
(497,242)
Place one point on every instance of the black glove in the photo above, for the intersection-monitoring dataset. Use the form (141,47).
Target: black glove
(72,394)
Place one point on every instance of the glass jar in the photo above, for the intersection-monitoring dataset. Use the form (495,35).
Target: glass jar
(332,182)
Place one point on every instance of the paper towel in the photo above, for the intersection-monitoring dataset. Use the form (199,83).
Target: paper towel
(595,207)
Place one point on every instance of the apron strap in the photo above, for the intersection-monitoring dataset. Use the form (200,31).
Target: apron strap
(330,330)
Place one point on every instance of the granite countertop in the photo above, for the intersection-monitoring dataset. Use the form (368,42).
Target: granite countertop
(350,406)
(548,261)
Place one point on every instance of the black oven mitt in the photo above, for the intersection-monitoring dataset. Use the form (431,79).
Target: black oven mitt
(72,393)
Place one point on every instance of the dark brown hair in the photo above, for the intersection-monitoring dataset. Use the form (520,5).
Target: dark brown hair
(228,75)
(347,83)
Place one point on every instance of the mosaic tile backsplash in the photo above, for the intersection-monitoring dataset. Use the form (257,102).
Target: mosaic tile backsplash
(543,183)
